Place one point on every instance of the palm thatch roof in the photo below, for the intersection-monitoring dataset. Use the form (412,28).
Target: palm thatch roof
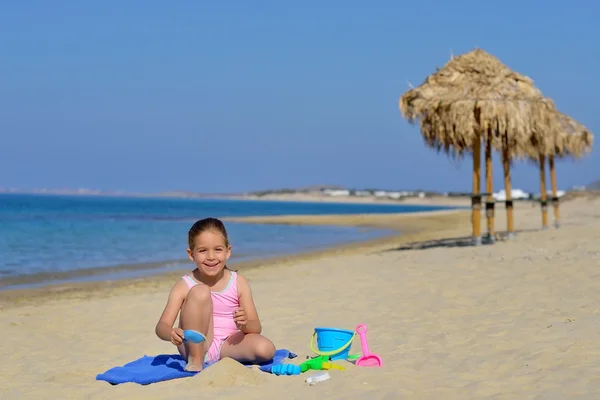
(578,139)
(475,92)
(573,140)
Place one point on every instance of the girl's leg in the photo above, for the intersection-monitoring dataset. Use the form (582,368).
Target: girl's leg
(196,314)
(250,347)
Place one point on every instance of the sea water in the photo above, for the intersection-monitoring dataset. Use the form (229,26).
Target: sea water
(47,238)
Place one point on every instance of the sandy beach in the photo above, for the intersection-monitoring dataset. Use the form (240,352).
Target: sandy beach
(516,320)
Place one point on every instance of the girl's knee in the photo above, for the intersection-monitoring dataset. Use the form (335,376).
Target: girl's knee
(265,349)
(199,294)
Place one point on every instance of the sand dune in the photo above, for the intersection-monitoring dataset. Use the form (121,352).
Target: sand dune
(517,320)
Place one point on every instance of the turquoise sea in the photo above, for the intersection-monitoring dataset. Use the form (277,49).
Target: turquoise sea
(55,239)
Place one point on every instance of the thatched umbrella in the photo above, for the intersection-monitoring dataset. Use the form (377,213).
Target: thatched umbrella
(474,95)
(574,140)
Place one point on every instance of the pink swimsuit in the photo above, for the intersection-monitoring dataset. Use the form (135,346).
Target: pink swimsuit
(224,304)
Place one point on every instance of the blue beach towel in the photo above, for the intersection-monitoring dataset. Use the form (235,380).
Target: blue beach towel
(164,367)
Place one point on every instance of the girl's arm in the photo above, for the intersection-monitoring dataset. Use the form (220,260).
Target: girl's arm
(167,319)
(253,324)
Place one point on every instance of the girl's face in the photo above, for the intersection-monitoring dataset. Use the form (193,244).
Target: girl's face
(210,252)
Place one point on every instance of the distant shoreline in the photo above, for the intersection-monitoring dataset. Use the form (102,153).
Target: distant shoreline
(25,280)
(301,197)
(142,270)
(403,224)
(403,228)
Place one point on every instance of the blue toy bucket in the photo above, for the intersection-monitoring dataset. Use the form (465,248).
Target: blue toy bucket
(332,342)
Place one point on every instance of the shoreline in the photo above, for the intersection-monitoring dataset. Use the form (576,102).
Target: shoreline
(138,270)
(150,269)
(299,197)
(405,227)
(380,221)
(433,201)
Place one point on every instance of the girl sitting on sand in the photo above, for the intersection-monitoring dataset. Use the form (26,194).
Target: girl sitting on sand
(214,301)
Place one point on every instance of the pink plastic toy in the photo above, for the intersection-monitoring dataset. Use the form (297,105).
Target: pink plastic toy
(367,359)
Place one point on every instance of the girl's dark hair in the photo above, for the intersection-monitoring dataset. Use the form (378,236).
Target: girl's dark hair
(206,224)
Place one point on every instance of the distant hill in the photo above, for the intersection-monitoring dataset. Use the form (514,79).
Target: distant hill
(306,189)
(594,185)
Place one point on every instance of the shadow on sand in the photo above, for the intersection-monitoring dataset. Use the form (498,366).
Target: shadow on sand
(463,241)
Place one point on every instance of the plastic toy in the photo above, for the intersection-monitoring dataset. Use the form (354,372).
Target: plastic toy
(285,369)
(317,364)
(368,359)
(193,336)
(332,342)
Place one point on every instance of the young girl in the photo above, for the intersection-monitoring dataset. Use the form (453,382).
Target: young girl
(214,301)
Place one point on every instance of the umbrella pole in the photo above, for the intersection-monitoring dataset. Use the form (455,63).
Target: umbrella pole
(543,192)
(476,195)
(489,187)
(554,192)
(508,188)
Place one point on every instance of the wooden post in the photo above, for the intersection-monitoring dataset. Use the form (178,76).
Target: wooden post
(543,192)
(489,187)
(476,195)
(507,187)
(554,192)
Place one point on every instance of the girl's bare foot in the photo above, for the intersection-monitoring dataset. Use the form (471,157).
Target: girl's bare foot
(193,365)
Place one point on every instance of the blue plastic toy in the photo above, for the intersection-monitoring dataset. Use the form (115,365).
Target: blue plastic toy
(193,336)
(317,364)
(285,369)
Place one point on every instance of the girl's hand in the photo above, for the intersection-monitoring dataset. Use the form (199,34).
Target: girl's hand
(240,318)
(177,336)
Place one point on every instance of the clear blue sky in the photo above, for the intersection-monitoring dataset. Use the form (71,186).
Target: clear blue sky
(225,96)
